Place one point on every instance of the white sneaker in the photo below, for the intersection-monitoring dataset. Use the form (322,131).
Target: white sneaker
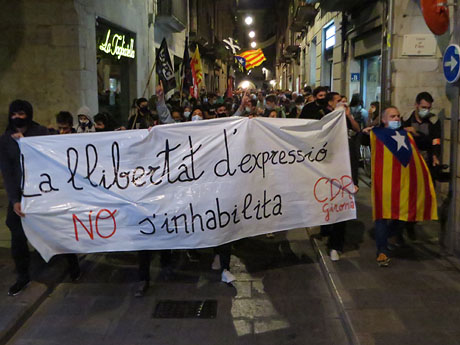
(227,276)
(216,263)
(335,255)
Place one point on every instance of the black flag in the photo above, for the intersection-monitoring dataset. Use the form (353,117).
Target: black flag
(165,69)
(186,69)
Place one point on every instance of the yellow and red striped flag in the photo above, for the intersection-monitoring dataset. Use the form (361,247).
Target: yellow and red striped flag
(253,58)
(197,72)
(402,187)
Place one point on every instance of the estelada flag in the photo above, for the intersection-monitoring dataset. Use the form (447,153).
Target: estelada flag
(253,58)
(197,69)
(402,187)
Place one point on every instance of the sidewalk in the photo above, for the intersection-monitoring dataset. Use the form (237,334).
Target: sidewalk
(414,301)
(14,311)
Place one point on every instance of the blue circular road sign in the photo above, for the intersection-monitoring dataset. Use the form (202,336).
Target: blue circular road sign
(451,63)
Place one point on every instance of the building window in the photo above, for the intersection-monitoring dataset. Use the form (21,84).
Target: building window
(329,33)
(370,81)
(327,60)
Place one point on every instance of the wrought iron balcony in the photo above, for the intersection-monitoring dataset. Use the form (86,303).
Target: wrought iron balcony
(172,14)
(304,15)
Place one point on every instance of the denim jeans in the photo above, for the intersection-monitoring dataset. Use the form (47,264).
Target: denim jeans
(385,228)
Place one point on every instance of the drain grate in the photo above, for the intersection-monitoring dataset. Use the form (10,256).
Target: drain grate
(168,309)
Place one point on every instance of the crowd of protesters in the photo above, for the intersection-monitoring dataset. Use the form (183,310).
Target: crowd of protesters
(308,104)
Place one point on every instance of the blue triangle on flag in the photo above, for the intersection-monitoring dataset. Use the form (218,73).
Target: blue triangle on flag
(397,141)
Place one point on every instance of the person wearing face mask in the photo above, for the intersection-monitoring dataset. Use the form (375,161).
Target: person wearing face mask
(318,108)
(85,120)
(297,110)
(20,124)
(187,112)
(197,114)
(222,111)
(270,105)
(425,127)
(142,118)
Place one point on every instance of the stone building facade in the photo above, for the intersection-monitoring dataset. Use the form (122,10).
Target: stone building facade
(355,62)
(50,55)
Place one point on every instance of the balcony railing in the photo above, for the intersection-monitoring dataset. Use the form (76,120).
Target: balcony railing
(304,15)
(172,14)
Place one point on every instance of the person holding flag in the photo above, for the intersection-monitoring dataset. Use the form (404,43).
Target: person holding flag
(402,188)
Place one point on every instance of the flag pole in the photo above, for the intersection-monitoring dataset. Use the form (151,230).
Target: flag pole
(150,77)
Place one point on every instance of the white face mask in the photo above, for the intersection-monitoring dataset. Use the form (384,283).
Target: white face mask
(186,114)
(300,107)
(196,118)
(247,109)
(423,112)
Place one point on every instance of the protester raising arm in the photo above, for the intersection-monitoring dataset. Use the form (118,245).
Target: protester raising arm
(163,112)
(244,101)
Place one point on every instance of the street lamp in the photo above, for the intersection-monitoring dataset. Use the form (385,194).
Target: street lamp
(252,34)
(248,20)
(253,44)
(245,84)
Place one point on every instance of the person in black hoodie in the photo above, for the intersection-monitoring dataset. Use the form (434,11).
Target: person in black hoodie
(20,124)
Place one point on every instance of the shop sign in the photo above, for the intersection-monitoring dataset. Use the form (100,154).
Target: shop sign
(115,45)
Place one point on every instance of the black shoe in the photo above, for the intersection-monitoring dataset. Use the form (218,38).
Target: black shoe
(193,256)
(142,288)
(20,285)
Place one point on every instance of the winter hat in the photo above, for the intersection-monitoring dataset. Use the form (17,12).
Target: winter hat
(21,105)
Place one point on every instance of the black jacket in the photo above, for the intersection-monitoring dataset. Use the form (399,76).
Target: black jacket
(313,111)
(10,160)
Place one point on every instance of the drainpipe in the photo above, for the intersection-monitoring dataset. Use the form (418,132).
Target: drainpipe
(387,51)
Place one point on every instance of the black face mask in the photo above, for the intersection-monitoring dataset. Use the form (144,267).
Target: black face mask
(221,114)
(18,122)
(99,129)
(322,102)
(144,110)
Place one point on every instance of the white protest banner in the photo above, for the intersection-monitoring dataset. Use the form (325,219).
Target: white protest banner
(191,185)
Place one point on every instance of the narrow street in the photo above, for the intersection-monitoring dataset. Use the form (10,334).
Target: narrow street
(280,297)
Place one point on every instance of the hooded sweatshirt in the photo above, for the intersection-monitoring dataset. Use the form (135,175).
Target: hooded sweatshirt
(9,150)
(81,128)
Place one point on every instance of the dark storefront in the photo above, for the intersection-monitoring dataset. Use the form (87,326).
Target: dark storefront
(116,69)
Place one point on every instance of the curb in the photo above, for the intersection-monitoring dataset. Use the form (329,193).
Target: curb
(335,287)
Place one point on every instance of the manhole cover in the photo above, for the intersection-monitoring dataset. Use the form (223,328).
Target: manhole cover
(168,309)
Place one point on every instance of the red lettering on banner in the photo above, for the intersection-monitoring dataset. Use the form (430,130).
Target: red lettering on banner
(90,231)
(327,192)
(111,215)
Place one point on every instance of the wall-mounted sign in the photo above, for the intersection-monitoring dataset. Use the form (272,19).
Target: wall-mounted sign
(419,45)
(355,77)
(116,45)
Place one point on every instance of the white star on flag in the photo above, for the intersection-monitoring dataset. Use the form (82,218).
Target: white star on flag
(401,140)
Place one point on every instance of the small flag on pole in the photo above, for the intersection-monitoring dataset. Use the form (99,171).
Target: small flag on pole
(165,69)
(253,58)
